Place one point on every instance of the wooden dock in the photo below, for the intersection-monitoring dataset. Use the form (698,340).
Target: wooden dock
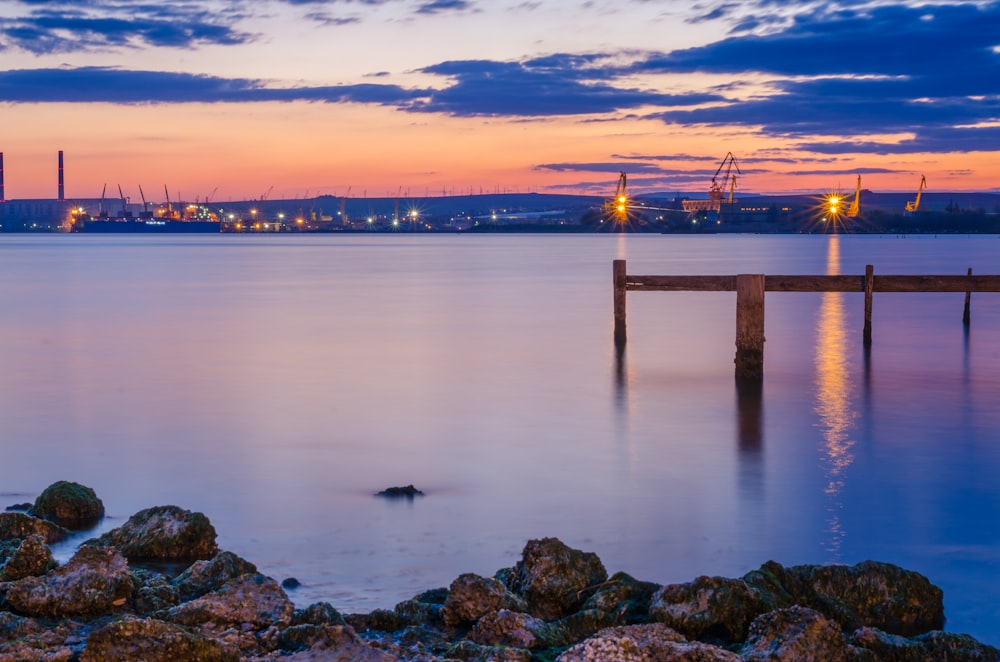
(750,289)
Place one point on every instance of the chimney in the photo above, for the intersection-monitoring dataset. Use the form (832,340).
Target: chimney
(62,185)
(2,197)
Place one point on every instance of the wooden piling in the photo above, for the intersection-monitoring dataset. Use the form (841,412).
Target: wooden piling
(869,286)
(968,300)
(618,271)
(749,326)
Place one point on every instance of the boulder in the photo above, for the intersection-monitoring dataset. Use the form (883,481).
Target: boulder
(407,492)
(29,640)
(150,640)
(653,642)
(151,592)
(511,628)
(29,557)
(71,505)
(93,583)
(14,526)
(320,613)
(793,634)
(249,599)
(873,594)
(935,645)
(206,576)
(709,608)
(328,643)
(163,533)
(552,577)
(469,650)
(470,597)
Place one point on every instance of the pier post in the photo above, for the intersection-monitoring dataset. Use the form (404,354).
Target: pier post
(869,283)
(618,270)
(749,326)
(968,299)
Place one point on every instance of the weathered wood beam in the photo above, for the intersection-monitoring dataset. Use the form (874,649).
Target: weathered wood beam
(749,326)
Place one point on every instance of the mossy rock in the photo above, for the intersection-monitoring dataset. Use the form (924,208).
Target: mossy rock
(71,505)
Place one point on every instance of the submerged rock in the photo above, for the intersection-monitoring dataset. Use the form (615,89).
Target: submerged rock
(94,582)
(14,526)
(71,505)
(162,533)
(407,492)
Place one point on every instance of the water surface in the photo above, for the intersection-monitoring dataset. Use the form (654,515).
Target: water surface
(276,382)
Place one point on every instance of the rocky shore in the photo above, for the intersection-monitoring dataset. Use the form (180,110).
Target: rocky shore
(556,603)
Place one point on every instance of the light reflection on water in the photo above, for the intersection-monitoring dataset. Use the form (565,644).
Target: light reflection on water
(834,390)
(275,383)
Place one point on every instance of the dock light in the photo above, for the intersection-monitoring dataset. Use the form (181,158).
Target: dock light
(299,221)
(833,202)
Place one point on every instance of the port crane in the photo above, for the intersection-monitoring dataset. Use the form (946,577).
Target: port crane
(125,213)
(617,207)
(855,207)
(716,191)
(145,207)
(915,204)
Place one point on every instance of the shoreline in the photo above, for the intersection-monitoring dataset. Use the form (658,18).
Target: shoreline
(556,603)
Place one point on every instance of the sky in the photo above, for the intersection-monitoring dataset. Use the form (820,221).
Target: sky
(284,99)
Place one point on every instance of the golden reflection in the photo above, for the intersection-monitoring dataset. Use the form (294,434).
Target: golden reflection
(834,398)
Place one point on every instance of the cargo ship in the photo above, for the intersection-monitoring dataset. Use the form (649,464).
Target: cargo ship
(144,225)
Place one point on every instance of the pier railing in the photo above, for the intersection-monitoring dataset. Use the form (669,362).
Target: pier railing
(750,290)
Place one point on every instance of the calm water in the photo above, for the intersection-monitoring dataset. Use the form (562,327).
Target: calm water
(276,383)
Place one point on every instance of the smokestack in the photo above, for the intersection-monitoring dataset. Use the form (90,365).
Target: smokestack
(2,197)
(62,185)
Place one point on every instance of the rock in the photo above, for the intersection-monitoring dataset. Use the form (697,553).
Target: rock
(796,633)
(249,599)
(23,507)
(28,640)
(206,576)
(29,558)
(71,505)
(511,628)
(328,643)
(94,582)
(470,597)
(290,583)
(407,492)
(653,642)
(151,592)
(709,608)
(935,645)
(468,650)
(162,533)
(623,598)
(552,577)
(15,526)
(870,593)
(320,613)
(150,640)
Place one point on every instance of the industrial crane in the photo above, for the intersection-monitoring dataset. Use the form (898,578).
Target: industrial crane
(617,207)
(343,206)
(915,204)
(716,189)
(855,207)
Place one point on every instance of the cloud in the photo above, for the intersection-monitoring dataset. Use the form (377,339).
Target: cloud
(598,167)
(99,84)
(64,27)
(862,71)
(550,86)
(439,6)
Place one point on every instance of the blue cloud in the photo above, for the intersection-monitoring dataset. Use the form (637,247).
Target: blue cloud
(929,71)
(63,27)
(98,84)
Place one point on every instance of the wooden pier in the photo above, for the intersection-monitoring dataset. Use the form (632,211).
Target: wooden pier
(750,290)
